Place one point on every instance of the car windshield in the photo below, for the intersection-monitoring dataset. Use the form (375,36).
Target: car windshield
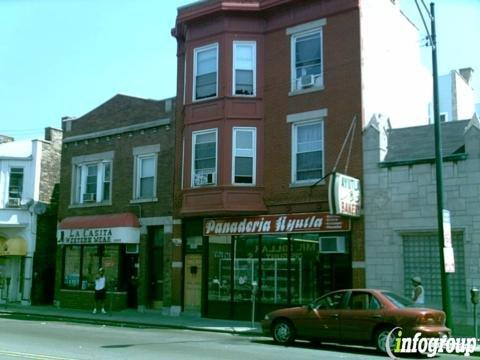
(398,300)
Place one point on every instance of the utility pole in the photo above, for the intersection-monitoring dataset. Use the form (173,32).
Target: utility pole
(445,276)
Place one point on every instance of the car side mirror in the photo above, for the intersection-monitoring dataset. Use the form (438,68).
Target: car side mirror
(309,307)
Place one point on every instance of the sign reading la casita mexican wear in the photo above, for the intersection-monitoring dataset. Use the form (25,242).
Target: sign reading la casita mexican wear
(344,195)
(113,235)
(272,224)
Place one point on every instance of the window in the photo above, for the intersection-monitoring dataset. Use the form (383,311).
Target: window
(92,182)
(244,155)
(205,72)
(83,261)
(307,151)
(15,187)
(244,61)
(307,55)
(204,164)
(146,168)
(332,301)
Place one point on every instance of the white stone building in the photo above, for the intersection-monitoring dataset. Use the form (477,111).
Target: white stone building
(401,212)
(29,170)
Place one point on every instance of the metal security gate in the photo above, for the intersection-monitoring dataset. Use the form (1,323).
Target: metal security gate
(421,258)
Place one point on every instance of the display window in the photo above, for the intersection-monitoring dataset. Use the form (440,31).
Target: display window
(81,264)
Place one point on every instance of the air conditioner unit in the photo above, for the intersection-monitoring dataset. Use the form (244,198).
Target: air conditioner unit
(305,81)
(14,202)
(332,245)
(131,249)
(89,197)
(204,179)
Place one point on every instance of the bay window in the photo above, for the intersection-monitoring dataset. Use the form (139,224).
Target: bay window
(205,77)
(244,63)
(244,155)
(204,157)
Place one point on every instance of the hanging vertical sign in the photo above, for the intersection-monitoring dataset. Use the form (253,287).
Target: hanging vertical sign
(344,195)
(447,229)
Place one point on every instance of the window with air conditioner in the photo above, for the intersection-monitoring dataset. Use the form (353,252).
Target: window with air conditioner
(15,186)
(204,158)
(205,72)
(244,68)
(244,156)
(307,55)
(332,245)
(92,181)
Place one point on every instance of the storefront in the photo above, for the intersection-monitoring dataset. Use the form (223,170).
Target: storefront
(12,262)
(87,243)
(286,259)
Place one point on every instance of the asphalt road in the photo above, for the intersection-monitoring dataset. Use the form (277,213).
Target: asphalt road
(52,340)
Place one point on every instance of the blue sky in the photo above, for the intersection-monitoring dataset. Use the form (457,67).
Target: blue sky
(66,57)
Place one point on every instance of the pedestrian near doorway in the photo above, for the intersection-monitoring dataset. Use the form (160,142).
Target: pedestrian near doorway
(100,291)
(418,293)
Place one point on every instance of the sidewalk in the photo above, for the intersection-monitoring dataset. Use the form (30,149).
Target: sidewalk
(134,318)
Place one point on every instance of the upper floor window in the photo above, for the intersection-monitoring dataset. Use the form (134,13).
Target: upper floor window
(205,77)
(145,177)
(244,155)
(307,160)
(92,178)
(307,55)
(204,157)
(15,187)
(244,64)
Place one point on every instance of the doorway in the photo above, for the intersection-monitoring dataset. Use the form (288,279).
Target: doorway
(193,282)
(156,264)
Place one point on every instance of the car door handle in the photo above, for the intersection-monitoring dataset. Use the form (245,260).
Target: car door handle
(334,316)
(377,316)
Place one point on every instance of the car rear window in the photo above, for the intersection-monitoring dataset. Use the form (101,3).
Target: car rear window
(398,300)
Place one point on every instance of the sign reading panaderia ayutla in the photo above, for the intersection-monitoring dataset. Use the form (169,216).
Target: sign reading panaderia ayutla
(344,195)
(114,235)
(271,224)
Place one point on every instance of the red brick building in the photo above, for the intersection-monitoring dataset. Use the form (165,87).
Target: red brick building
(266,94)
(115,207)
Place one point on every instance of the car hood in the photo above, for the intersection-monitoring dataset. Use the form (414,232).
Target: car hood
(288,312)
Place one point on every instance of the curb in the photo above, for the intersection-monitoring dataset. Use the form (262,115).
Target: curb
(132,324)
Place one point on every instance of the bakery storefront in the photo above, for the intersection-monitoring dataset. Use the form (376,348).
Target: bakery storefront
(285,260)
(87,243)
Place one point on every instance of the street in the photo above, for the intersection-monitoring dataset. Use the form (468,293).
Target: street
(52,340)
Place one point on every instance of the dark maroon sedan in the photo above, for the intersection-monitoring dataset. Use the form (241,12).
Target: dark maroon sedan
(354,316)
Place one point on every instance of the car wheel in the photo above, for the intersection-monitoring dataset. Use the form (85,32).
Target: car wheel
(381,337)
(283,332)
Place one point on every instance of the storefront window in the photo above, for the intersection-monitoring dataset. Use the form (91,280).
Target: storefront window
(71,278)
(109,262)
(219,268)
(83,261)
(245,267)
(274,269)
(304,268)
(91,263)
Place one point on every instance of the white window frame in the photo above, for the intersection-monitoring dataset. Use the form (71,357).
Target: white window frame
(192,172)
(79,178)
(10,178)
(80,182)
(253,131)
(138,163)
(194,82)
(253,45)
(299,119)
(295,33)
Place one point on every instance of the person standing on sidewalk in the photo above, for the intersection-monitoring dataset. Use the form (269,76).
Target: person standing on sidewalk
(418,293)
(100,291)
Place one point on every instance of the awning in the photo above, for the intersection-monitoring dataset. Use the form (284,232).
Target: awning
(121,228)
(15,246)
(100,221)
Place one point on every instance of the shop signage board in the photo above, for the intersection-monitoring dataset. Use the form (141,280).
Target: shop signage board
(113,235)
(449,259)
(344,195)
(275,224)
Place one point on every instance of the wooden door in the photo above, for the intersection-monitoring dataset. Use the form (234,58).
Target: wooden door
(193,282)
